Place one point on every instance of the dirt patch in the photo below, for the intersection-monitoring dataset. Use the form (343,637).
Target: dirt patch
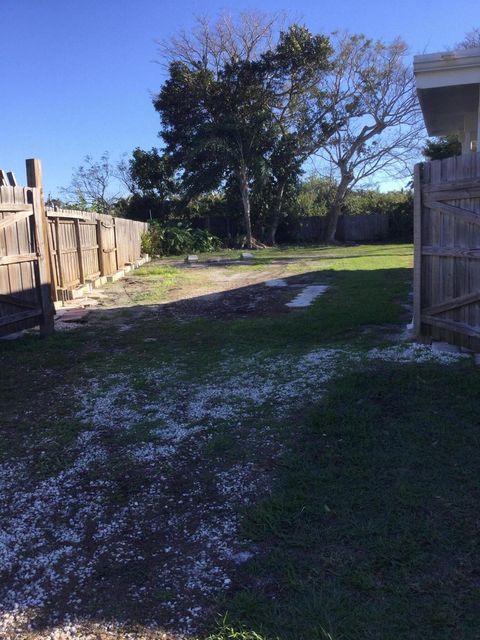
(203,291)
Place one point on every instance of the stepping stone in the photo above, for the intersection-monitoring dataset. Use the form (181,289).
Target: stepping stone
(307,296)
(75,315)
(276,283)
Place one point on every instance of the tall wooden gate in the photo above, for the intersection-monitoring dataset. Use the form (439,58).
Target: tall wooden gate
(447,250)
(25,291)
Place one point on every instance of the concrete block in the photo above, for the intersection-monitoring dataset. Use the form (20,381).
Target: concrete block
(127,268)
(74,315)
(79,292)
(191,259)
(116,276)
(245,255)
(100,282)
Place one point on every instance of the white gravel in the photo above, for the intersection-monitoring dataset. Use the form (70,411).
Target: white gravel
(55,531)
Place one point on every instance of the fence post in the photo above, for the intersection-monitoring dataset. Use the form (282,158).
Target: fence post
(101,255)
(78,239)
(34,180)
(417,251)
(115,243)
(59,252)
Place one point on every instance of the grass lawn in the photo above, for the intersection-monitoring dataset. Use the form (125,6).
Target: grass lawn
(203,463)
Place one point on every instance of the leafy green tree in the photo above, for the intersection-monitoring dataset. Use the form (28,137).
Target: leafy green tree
(442,147)
(152,173)
(315,196)
(295,72)
(215,127)
(255,119)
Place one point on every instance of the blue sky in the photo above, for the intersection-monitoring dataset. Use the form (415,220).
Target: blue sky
(77,76)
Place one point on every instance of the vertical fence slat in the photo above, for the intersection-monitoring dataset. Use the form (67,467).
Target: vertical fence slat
(78,238)
(417,257)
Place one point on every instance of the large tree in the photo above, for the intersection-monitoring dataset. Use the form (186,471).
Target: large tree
(214,44)
(212,106)
(215,126)
(263,109)
(295,72)
(376,114)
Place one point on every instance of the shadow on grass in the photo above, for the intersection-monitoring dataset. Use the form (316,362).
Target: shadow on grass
(372,528)
(203,332)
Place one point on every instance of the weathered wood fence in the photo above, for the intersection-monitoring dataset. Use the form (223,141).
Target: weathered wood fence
(85,246)
(46,253)
(25,289)
(447,250)
(360,228)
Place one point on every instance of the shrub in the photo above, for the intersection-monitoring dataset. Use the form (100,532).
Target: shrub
(178,239)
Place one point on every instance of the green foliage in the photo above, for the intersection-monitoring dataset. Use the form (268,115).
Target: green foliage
(442,147)
(235,122)
(152,173)
(316,197)
(178,239)
(355,507)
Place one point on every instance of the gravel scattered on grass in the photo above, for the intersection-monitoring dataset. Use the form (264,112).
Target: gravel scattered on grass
(60,529)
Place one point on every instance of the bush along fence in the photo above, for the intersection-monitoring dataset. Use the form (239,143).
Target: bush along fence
(47,256)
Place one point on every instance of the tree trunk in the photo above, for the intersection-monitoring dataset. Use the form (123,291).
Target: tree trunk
(277,211)
(245,193)
(336,210)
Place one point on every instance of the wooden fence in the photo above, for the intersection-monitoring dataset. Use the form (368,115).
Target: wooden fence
(447,250)
(45,253)
(360,228)
(25,291)
(85,246)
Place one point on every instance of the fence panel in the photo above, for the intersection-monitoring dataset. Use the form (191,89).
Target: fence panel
(360,228)
(24,281)
(85,245)
(447,250)
(129,240)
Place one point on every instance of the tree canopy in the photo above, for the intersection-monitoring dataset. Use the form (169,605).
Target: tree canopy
(247,102)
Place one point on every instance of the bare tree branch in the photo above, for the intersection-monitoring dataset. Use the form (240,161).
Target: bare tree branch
(374,102)
(213,44)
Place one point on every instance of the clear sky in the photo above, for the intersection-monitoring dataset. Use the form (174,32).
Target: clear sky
(77,76)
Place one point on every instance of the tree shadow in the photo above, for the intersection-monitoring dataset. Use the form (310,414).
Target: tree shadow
(97,531)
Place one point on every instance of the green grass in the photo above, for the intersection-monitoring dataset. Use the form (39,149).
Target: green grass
(372,528)
(162,277)
(368,285)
